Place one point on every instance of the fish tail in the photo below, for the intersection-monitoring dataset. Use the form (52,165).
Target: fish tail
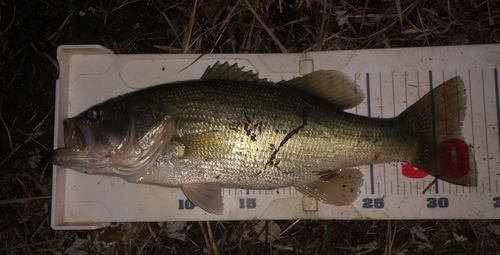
(438,117)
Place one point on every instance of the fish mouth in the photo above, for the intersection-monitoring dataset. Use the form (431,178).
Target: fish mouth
(78,141)
(76,137)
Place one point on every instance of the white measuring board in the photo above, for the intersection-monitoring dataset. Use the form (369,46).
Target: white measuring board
(392,80)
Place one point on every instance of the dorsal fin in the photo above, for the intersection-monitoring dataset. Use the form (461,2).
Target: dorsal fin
(230,72)
(333,86)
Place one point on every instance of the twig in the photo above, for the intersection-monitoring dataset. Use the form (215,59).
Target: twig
(52,60)
(8,133)
(358,11)
(491,21)
(11,153)
(170,24)
(16,73)
(59,30)
(293,224)
(12,21)
(210,235)
(33,139)
(292,22)
(42,176)
(41,122)
(247,43)
(327,39)
(368,16)
(269,31)
(251,242)
(390,240)
(124,4)
(266,237)
(153,234)
(423,28)
(144,245)
(209,250)
(458,22)
(398,8)
(169,48)
(190,29)
(31,244)
(363,15)
(17,200)
(322,32)
(225,22)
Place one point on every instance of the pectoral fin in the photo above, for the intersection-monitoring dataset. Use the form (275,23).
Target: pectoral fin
(338,187)
(207,145)
(205,195)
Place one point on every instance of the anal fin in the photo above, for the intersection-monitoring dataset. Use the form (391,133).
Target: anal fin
(205,195)
(338,187)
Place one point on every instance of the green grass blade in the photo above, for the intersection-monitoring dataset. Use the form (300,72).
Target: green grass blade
(9,171)
(41,224)
(325,236)
(415,3)
(398,7)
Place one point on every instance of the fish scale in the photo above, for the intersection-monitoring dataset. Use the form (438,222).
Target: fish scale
(321,144)
(247,133)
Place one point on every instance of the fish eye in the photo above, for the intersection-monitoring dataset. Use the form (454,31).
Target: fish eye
(95,113)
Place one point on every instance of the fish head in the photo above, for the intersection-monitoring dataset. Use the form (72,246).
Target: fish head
(114,138)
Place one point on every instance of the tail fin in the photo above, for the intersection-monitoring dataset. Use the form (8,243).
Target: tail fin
(443,153)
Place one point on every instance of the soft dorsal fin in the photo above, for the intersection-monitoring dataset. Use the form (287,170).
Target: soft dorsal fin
(333,86)
(230,72)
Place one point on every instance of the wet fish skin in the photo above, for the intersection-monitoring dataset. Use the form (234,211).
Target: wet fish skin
(274,140)
(246,133)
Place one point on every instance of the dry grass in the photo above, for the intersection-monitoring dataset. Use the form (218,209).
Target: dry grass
(30,32)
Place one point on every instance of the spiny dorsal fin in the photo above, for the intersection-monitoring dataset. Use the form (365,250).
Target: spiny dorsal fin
(338,187)
(230,72)
(333,86)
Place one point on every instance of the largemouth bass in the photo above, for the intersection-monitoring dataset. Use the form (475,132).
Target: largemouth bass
(232,129)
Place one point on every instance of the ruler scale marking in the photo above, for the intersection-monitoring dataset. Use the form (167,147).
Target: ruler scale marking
(406,93)
(418,86)
(486,129)
(495,77)
(458,120)
(471,113)
(394,114)
(382,115)
(436,184)
(372,184)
